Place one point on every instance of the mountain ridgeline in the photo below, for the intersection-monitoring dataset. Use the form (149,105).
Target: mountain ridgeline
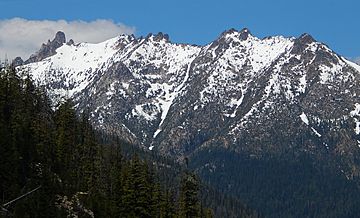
(249,114)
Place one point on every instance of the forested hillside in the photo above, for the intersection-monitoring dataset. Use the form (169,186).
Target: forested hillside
(295,185)
(66,169)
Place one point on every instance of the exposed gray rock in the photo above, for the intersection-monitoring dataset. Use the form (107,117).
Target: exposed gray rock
(18,61)
(70,42)
(48,49)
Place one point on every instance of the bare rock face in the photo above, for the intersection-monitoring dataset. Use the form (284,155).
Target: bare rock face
(48,49)
(18,61)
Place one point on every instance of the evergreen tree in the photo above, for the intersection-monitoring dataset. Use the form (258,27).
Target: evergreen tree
(189,199)
(66,151)
(21,110)
(168,209)
(10,157)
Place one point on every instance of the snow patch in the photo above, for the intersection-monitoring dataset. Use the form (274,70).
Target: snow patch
(304,118)
(156,133)
(316,132)
(326,145)
(356,111)
(331,73)
(274,85)
(140,111)
(312,47)
(356,114)
(355,66)
(169,97)
(302,84)
(125,85)
(237,102)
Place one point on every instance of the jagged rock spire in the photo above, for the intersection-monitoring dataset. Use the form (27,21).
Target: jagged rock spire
(48,49)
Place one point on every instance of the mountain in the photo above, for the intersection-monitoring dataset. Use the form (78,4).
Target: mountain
(265,101)
(179,97)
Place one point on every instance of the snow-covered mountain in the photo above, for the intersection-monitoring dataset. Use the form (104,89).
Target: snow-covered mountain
(249,95)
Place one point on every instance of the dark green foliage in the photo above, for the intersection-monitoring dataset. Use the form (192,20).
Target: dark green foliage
(189,199)
(60,151)
(223,205)
(282,187)
(21,145)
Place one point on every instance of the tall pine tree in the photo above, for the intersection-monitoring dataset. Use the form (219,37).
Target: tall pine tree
(189,196)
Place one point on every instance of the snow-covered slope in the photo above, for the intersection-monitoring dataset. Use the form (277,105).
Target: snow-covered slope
(72,68)
(352,64)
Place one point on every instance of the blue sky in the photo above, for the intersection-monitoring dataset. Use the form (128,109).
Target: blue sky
(335,23)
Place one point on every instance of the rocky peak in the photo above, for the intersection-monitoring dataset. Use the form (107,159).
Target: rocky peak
(49,48)
(302,43)
(59,38)
(70,42)
(306,39)
(124,40)
(244,34)
(17,61)
(130,37)
(158,37)
(229,31)
(227,34)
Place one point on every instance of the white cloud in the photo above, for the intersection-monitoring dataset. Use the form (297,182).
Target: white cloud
(21,37)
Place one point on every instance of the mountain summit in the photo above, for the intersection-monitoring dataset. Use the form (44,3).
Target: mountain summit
(49,48)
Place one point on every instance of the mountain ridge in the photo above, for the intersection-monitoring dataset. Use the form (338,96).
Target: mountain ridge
(178,98)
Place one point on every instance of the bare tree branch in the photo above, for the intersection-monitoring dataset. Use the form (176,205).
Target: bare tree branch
(22,196)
